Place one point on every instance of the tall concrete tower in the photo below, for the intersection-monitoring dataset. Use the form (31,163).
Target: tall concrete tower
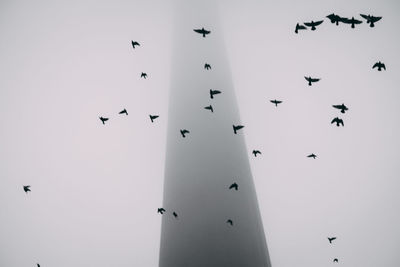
(200,167)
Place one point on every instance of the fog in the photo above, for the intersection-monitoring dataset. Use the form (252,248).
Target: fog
(96,188)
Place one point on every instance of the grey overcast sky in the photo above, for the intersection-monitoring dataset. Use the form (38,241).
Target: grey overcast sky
(96,188)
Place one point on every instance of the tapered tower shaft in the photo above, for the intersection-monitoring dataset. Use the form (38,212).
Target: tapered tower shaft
(200,167)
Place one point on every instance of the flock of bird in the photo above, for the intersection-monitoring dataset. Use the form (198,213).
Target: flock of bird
(124,111)
(371,20)
(336,19)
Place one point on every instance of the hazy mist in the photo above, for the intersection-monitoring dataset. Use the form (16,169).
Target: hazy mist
(96,188)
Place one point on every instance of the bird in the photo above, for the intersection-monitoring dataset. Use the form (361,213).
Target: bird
(312,156)
(312,24)
(335,260)
(103,120)
(352,21)
(209,108)
(338,121)
(311,80)
(183,132)
(335,18)
(342,107)
(276,102)
(230,222)
(207,66)
(202,31)
(214,92)
(370,19)
(175,214)
(123,112)
(299,27)
(27,188)
(234,185)
(380,65)
(143,75)
(330,239)
(153,117)
(236,128)
(38,265)
(135,43)
(255,152)
(161,210)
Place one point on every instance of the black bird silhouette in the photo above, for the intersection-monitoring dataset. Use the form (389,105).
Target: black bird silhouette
(143,75)
(214,92)
(338,121)
(312,156)
(299,27)
(380,65)
(330,239)
(103,120)
(153,117)
(236,128)
(175,214)
(276,102)
(209,108)
(311,80)
(370,19)
(123,112)
(312,24)
(335,260)
(234,185)
(352,21)
(202,31)
(342,107)
(38,265)
(335,18)
(230,222)
(255,152)
(135,43)
(183,132)
(27,188)
(161,210)
(207,66)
